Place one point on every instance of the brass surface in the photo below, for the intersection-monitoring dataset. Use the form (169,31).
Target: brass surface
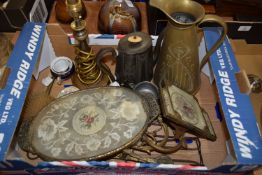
(87,71)
(177,46)
(74,8)
(156,147)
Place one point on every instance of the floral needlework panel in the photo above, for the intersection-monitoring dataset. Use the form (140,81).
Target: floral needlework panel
(88,123)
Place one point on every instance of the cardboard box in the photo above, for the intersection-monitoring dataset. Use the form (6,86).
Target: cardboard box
(248,30)
(249,60)
(243,19)
(240,158)
(14,14)
(237,106)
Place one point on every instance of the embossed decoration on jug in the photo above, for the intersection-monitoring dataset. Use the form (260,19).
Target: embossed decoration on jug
(179,60)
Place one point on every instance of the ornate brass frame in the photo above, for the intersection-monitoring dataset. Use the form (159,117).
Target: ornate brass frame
(175,118)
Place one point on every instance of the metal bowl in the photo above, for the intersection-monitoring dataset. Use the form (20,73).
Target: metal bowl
(146,87)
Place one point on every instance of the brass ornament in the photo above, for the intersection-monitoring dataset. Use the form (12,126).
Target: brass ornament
(162,142)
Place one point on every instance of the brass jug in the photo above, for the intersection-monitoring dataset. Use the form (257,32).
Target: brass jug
(177,45)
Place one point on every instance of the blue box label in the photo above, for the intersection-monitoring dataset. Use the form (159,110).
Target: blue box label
(21,63)
(237,108)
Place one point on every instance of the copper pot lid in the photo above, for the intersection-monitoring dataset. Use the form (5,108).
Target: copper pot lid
(89,124)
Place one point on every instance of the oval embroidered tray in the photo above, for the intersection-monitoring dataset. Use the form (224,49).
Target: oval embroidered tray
(89,124)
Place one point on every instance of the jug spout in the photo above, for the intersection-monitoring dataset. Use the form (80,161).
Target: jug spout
(183,12)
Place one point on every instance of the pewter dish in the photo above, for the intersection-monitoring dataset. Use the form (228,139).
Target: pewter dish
(146,87)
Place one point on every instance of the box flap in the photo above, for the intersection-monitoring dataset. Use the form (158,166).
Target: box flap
(21,63)
(237,108)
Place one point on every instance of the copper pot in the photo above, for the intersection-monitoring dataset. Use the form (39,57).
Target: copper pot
(119,17)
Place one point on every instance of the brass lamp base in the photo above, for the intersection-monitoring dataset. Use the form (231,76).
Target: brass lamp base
(102,81)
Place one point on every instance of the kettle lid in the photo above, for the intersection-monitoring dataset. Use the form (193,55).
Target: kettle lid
(135,43)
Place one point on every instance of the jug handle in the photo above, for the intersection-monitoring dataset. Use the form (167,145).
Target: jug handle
(103,67)
(220,21)
(158,46)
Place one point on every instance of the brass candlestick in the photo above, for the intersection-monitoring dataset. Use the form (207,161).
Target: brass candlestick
(87,71)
